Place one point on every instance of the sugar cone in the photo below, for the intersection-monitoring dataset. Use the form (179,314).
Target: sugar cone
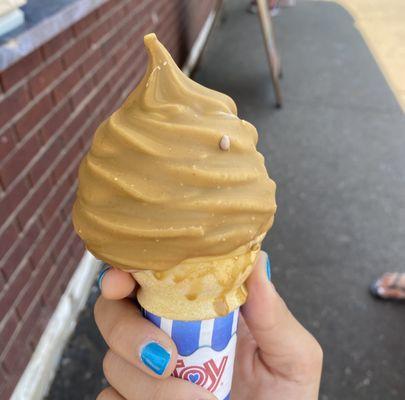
(199,288)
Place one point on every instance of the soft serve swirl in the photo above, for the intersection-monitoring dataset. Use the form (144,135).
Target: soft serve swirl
(156,188)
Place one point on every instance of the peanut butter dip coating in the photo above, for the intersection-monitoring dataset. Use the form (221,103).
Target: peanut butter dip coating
(172,175)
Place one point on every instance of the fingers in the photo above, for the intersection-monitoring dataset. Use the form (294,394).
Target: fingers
(134,384)
(391,293)
(109,394)
(284,344)
(134,338)
(115,284)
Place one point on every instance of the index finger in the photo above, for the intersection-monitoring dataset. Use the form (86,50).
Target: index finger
(135,339)
(115,284)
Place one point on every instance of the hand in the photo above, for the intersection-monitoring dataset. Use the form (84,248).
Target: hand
(276,357)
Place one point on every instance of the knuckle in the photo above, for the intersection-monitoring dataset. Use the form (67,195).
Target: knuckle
(97,307)
(117,333)
(104,395)
(317,356)
(107,364)
(310,364)
(98,310)
(160,391)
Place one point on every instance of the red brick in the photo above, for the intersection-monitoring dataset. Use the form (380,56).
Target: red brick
(7,142)
(88,133)
(105,8)
(11,104)
(114,101)
(43,164)
(40,326)
(52,298)
(55,121)
(57,43)
(99,32)
(45,77)
(84,23)
(103,71)
(68,204)
(80,94)
(109,44)
(7,238)
(12,199)
(72,156)
(75,52)
(77,248)
(64,256)
(62,239)
(48,295)
(63,89)
(68,254)
(21,69)
(117,18)
(7,389)
(32,288)
(35,199)
(7,328)
(66,275)
(15,285)
(30,319)
(42,244)
(97,98)
(73,127)
(55,200)
(131,5)
(17,355)
(16,162)
(34,115)
(94,57)
(120,52)
(20,250)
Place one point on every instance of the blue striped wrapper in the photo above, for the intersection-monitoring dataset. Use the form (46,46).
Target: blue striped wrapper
(206,350)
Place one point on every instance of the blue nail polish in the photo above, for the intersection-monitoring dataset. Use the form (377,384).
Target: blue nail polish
(155,357)
(268,268)
(101,276)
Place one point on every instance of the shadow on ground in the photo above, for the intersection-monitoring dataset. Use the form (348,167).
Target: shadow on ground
(336,150)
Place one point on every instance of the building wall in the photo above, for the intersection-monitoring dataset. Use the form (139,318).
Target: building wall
(51,102)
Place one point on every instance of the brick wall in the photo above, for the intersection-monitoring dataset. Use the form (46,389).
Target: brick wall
(50,104)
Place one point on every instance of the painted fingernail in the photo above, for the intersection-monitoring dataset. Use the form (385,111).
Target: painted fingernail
(155,357)
(101,276)
(268,268)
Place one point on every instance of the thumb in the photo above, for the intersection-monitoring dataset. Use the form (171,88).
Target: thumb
(284,344)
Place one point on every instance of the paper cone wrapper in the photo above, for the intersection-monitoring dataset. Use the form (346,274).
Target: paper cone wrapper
(206,350)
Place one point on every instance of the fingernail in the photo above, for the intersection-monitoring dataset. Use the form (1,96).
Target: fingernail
(381,291)
(268,268)
(101,276)
(155,357)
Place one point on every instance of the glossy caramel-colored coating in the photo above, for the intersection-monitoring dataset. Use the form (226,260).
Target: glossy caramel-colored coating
(156,188)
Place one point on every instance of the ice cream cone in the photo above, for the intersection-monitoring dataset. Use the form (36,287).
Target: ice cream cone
(174,191)
(199,288)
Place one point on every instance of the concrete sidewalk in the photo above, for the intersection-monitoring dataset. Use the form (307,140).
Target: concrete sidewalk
(337,152)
